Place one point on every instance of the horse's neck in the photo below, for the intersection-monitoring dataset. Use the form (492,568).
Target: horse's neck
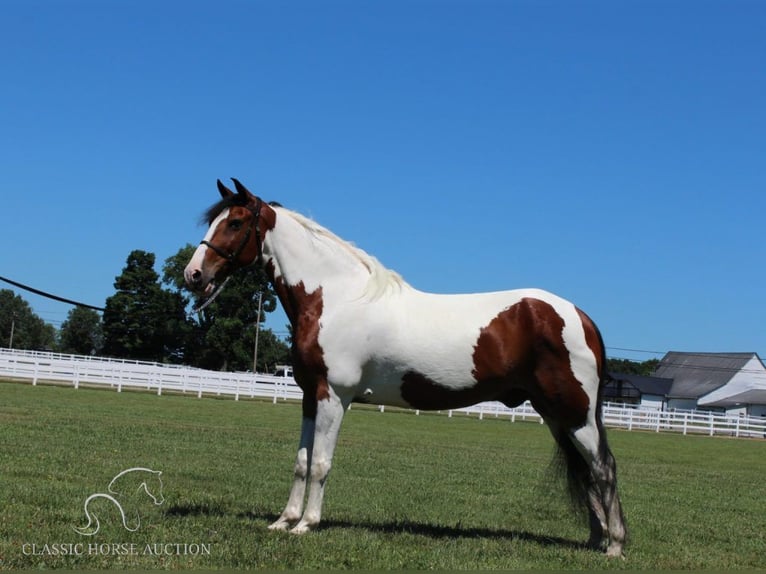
(128,483)
(302,257)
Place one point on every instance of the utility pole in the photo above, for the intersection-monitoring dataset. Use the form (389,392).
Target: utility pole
(257,331)
(13,327)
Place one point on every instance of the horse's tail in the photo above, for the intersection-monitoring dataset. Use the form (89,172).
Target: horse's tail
(570,462)
(89,529)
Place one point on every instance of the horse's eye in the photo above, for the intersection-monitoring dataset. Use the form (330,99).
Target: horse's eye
(235,224)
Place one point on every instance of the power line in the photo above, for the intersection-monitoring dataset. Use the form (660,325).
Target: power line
(697,367)
(685,353)
(50,295)
(644,351)
(638,351)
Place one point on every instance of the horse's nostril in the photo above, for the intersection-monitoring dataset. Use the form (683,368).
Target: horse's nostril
(196,275)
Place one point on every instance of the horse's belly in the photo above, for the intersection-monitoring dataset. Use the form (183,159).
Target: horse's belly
(381,388)
(410,387)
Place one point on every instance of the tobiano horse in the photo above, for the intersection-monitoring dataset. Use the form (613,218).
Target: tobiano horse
(362,334)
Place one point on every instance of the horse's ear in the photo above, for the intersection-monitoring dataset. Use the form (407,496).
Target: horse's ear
(223,190)
(241,189)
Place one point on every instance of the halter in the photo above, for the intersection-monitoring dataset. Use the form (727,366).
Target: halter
(232,257)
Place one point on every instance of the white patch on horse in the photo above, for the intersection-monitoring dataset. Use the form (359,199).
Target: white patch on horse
(583,362)
(197,260)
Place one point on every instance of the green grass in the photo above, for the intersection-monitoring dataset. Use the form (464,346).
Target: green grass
(406,491)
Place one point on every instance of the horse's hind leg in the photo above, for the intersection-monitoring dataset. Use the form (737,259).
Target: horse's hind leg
(582,486)
(599,529)
(590,441)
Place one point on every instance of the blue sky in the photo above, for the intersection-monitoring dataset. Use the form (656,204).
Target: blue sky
(611,152)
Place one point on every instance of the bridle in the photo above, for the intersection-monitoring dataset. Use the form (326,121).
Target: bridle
(232,257)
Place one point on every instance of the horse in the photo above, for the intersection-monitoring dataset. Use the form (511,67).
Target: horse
(362,334)
(126,485)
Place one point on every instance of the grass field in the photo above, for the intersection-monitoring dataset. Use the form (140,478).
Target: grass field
(414,492)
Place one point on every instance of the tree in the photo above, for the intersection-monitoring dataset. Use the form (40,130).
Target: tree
(81,333)
(629,367)
(272,351)
(223,334)
(141,320)
(20,327)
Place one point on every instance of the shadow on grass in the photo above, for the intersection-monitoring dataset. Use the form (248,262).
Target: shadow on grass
(204,509)
(444,531)
(391,527)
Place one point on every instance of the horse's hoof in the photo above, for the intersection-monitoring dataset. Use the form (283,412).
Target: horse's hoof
(595,544)
(280,524)
(302,528)
(615,551)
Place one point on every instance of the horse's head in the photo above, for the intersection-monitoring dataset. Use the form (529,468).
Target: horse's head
(153,486)
(238,224)
(137,479)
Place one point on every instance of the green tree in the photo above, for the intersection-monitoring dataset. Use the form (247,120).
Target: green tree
(272,351)
(629,367)
(223,334)
(141,320)
(20,327)
(81,333)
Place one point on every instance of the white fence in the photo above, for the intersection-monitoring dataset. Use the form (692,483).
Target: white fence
(155,377)
(620,416)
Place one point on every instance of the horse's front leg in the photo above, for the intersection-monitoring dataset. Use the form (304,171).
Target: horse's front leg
(329,416)
(292,512)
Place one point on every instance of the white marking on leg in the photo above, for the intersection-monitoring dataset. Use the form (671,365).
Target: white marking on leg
(329,417)
(292,512)
(587,439)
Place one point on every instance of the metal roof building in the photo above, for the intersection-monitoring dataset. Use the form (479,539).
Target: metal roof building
(713,380)
(638,389)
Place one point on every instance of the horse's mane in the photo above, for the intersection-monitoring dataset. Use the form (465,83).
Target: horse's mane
(218,208)
(232,201)
(381,278)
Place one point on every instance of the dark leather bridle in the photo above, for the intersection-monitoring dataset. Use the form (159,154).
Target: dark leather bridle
(231,258)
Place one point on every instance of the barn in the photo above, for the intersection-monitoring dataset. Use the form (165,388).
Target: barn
(642,391)
(734,382)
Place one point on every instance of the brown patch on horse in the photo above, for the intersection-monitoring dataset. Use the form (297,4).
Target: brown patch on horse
(304,310)
(501,368)
(267,219)
(519,355)
(420,392)
(558,393)
(282,291)
(505,346)
(227,240)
